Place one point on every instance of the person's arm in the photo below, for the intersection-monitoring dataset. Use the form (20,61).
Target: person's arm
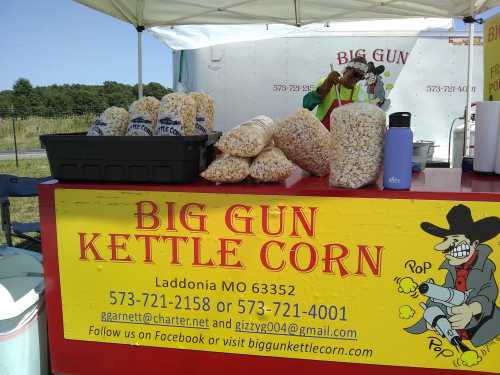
(315,97)
(332,79)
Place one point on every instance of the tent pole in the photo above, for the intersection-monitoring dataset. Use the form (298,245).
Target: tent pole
(140,29)
(466,150)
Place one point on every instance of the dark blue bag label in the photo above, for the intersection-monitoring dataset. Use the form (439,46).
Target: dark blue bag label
(98,128)
(169,124)
(201,125)
(140,126)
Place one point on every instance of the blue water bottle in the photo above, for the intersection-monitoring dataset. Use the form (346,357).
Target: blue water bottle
(398,152)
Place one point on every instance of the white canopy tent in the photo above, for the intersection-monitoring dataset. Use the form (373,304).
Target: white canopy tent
(146,14)
(149,13)
(186,37)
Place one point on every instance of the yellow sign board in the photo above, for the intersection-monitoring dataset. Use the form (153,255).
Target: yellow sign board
(492,59)
(317,278)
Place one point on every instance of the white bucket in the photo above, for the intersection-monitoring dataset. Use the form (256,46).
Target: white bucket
(23,322)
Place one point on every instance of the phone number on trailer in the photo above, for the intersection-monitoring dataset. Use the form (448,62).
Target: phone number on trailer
(448,88)
(241,306)
(292,88)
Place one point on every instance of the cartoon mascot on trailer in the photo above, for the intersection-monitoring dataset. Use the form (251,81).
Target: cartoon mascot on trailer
(464,307)
(374,86)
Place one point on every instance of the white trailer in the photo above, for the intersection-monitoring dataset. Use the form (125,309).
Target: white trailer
(425,74)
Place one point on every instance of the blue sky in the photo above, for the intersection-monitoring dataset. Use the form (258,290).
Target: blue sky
(61,41)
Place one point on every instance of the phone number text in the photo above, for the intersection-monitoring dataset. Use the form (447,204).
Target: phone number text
(241,306)
(292,88)
(448,89)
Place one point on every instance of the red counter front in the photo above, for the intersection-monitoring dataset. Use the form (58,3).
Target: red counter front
(297,277)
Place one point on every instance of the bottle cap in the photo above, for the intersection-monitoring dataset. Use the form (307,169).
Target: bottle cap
(400,120)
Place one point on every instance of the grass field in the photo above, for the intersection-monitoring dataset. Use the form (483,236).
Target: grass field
(28,130)
(24,209)
(27,135)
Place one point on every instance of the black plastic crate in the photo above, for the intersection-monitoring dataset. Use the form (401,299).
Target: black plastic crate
(162,159)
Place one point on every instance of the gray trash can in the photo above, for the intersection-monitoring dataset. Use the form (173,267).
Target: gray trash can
(23,321)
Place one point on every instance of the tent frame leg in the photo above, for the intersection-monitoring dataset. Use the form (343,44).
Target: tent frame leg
(470,64)
(139,29)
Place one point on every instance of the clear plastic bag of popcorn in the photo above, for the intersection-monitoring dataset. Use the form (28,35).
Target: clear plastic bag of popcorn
(177,115)
(204,112)
(357,137)
(271,165)
(146,105)
(227,168)
(141,124)
(143,116)
(247,139)
(113,121)
(305,141)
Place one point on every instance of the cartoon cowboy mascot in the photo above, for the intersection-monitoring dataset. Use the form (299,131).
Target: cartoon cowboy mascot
(375,85)
(469,270)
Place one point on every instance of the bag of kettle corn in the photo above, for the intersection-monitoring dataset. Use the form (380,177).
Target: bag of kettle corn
(247,139)
(357,145)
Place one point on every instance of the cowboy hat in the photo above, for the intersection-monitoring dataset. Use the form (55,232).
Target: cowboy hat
(375,70)
(460,222)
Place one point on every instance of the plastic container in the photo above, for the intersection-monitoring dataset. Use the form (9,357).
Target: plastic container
(398,152)
(420,154)
(430,151)
(23,321)
(458,144)
(161,159)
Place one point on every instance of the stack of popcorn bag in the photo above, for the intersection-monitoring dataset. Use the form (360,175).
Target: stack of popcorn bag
(175,115)
(248,151)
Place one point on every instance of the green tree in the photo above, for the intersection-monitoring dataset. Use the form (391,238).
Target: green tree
(22,97)
(155,89)
(117,94)
(6,103)
(56,103)
(37,102)
(56,100)
(22,87)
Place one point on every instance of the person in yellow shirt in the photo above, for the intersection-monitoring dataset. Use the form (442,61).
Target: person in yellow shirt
(336,90)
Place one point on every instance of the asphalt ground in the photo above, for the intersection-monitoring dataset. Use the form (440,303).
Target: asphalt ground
(32,154)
